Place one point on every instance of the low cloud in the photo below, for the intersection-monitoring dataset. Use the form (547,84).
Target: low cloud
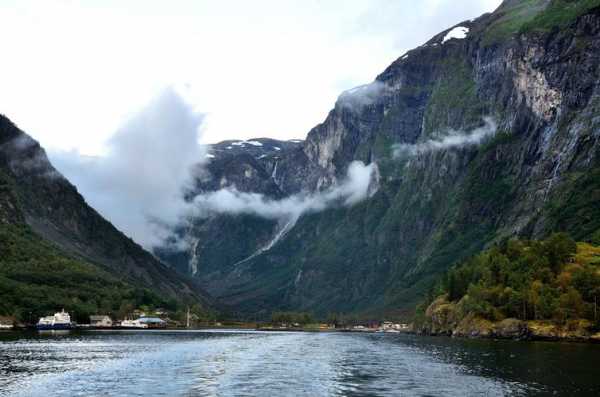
(364,95)
(26,156)
(360,183)
(138,184)
(453,139)
(357,186)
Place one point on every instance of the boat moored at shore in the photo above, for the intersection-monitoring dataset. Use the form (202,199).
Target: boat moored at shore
(133,324)
(59,321)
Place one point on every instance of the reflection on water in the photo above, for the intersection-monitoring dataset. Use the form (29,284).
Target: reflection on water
(206,363)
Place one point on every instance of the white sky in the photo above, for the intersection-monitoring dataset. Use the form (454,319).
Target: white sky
(73,72)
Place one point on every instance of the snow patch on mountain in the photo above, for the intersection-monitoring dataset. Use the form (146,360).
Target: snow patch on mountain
(459,33)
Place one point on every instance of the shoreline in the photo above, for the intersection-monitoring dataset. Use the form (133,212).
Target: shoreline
(575,331)
(208,328)
(530,337)
(577,340)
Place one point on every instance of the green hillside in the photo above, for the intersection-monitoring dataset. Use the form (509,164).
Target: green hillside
(56,252)
(37,279)
(553,279)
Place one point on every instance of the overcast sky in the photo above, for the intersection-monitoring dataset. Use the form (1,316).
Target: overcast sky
(121,92)
(74,72)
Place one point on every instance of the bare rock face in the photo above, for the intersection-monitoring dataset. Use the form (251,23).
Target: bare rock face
(532,86)
(442,317)
(511,328)
(249,166)
(448,186)
(575,330)
(449,318)
(474,327)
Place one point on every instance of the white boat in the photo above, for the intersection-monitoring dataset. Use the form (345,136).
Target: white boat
(60,320)
(133,324)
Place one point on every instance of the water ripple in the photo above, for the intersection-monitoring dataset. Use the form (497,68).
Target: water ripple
(267,364)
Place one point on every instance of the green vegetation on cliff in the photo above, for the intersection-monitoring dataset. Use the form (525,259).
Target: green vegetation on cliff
(453,97)
(574,207)
(519,17)
(37,279)
(57,252)
(558,14)
(554,279)
(512,16)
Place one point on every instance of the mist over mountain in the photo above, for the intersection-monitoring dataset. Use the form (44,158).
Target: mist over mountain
(57,251)
(138,184)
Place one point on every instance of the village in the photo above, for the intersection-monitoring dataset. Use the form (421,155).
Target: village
(138,319)
(159,319)
(371,326)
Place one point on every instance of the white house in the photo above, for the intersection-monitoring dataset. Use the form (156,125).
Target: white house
(6,323)
(101,321)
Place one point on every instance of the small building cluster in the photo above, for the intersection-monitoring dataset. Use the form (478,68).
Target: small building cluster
(6,323)
(101,321)
(388,326)
(136,319)
(143,322)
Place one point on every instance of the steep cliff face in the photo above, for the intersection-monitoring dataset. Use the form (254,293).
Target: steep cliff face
(216,243)
(450,181)
(34,196)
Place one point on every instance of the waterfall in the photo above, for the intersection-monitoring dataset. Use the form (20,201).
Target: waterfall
(193,266)
(281,233)
(274,173)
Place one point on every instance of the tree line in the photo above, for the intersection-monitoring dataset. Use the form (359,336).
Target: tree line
(553,279)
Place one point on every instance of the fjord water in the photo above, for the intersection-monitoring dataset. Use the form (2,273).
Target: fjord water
(237,363)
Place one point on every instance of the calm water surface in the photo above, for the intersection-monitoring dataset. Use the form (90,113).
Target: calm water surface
(220,363)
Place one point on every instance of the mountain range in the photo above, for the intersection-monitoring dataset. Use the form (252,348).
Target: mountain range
(488,131)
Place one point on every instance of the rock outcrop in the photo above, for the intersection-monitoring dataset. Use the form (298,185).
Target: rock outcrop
(443,318)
